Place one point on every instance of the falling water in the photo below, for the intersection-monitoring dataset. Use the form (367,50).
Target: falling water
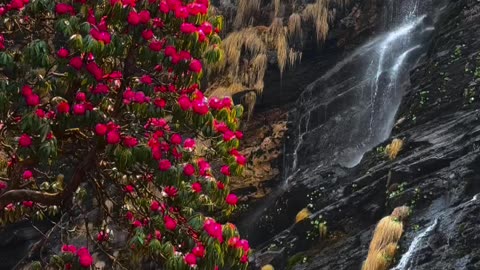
(351,108)
(407,258)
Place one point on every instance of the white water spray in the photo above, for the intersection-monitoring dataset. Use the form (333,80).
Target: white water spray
(407,258)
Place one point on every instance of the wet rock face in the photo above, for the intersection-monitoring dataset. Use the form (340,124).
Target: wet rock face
(437,172)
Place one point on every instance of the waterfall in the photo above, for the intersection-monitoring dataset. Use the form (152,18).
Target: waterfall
(352,107)
(407,258)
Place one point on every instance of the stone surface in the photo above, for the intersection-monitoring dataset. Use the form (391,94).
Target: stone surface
(436,173)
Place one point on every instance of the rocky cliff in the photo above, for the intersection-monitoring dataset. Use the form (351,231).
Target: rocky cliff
(436,173)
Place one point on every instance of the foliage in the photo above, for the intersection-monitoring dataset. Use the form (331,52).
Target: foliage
(107,93)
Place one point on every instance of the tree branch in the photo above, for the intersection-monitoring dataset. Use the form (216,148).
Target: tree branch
(45,198)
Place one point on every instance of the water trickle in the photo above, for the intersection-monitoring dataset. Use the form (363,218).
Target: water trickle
(407,258)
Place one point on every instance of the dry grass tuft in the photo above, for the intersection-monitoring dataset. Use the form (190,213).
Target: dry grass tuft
(394,148)
(277,6)
(249,100)
(267,267)
(295,32)
(317,13)
(303,214)
(246,11)
(385,239)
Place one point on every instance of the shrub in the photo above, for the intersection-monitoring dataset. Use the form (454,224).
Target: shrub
(107,93)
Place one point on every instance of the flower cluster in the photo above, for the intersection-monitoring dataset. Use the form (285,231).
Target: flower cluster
(72,256)
(122,78)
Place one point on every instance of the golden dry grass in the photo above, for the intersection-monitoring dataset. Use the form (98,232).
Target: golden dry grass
(295,31)
(246,10)
(303,214)
(385,239)
(267,267)
(376,261)
(249,100)
(393,149)
(317,13)
(277,7)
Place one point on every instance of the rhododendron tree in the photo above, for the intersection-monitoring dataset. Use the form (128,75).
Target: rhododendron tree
(104,123)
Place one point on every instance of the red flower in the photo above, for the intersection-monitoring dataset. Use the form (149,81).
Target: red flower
(40,113)
(195,66)
(227,102)
(144,16)
(197,187)
(215,103)
(79,109)
(81,97)
(130,142)
(228,136)
(27,175)
(63,8)
(189,144)
(184,103)
(103,236)
(160,103)
(25,141)
(206,28)
(188,28)
(164,165)
(113,137)
(76,63)
(158,23)
(190,259)
(171,191)
(225,170)
(189,170)
(63,107)
(181,12)
(241,160)
(27,204)
(154,206)
(147,34)
(63,53)
(137,224)
(145,79)
(101,89)
(233,242)
(176,139)
(85,261)
(199,107)
(129,189)
(220,185)
(69,249)
(101,129)
(244,259)
(156,45)
(3,185)
(27,91)
(199,251)
(133,18)
(170,223)
(239,135)
(32,100)
(231,199)
(170,51)
(95,70)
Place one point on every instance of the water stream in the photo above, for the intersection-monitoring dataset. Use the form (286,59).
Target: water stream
(407,259)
